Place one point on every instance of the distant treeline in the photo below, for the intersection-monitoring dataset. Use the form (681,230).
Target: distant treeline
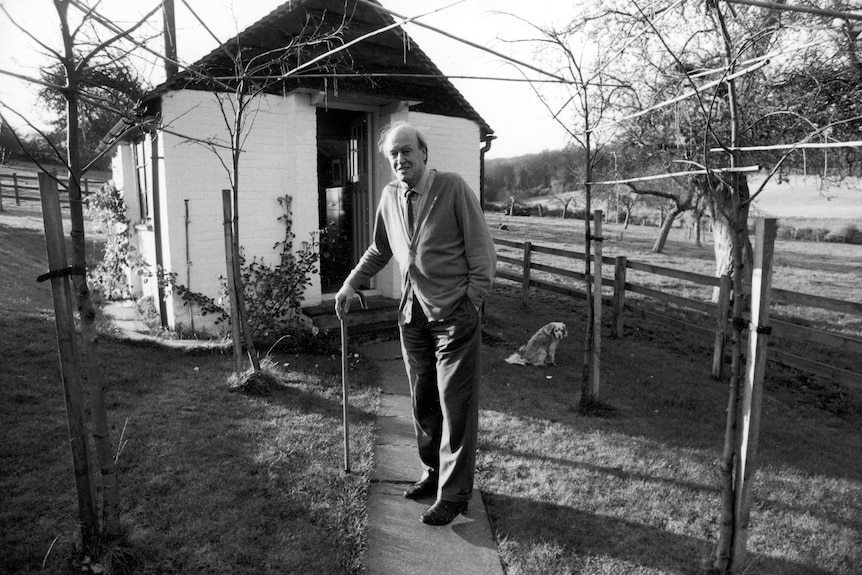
(557,171)
(533,175)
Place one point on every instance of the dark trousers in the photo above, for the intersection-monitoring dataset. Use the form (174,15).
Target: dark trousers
(443,366)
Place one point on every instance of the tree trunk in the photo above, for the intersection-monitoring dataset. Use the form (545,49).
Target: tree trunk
(722,210)
(698,230)
(86,310)
(666,226)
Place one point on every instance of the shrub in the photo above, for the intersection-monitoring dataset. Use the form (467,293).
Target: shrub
(786,232)
(273,294)
(811,234)
(107,210)
(147,310)
(848,234)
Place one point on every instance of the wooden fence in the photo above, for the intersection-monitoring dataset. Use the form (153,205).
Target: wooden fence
(17,186)
(714,315)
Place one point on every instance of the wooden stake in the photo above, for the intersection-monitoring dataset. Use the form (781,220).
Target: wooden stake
(231,284)
(597,304)
(619,295)
(752,392)
(525,282)
(721,311)
(70,368)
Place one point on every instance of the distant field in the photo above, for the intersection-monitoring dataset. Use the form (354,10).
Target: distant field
(798,201)
(808,198)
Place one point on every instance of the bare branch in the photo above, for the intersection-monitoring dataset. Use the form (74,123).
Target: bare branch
(41,133)
(32,80)
(120,34)
(467,42)
(210,32)
(24,30)
(798,8)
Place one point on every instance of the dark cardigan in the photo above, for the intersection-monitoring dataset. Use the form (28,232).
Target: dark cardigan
(450,255)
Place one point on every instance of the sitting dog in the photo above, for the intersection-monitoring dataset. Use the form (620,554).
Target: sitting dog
(542,347)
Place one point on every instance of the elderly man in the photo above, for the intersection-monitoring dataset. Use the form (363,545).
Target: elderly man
(432,224)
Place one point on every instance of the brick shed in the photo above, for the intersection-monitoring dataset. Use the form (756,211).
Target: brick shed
(312,136)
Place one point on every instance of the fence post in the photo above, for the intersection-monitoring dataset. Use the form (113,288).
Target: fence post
(15,186)
(528,250)
(1,196)
(597,302)
(752,392)
(721,311)
(619,295)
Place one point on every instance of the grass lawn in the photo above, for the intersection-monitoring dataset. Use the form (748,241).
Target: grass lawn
(637,491)
(218,482)
(211,481)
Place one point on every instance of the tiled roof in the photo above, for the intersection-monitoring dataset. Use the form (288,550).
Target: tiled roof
(386,67)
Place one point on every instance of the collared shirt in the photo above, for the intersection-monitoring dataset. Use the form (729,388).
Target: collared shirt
(421,188)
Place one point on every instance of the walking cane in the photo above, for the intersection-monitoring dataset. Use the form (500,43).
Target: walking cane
(344,354)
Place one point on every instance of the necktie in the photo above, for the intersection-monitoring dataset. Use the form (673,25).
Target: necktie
(410,194)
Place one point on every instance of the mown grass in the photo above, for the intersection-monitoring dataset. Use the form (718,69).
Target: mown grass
(211,481)
(637,491)
(818,268)
(215,482)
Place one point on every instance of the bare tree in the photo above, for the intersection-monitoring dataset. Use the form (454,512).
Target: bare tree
(697,78)
(681,202)
(720,122)
(238,76)
(580,107)
(85,56)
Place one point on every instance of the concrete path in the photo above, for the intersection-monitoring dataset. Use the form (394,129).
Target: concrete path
(398,542)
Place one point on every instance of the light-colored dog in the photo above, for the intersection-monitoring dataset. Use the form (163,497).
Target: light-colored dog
(542,347)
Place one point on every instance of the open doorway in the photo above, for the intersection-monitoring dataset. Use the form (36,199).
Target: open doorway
(344,198)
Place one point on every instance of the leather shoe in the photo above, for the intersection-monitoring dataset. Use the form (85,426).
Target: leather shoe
(422,489)
(444,512)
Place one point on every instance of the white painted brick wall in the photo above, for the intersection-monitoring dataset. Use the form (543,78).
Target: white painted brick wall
(453,145)
(280,158)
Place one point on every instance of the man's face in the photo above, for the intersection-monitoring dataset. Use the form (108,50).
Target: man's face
(405,156)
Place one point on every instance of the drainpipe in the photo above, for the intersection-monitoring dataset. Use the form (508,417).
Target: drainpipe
(157,226)
(488,139)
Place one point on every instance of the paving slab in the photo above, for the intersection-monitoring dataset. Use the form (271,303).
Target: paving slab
(398,542)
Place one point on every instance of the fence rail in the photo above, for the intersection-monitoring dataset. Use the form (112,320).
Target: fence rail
(25,185)
(715,313)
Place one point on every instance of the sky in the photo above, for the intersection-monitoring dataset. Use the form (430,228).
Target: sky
(520,121)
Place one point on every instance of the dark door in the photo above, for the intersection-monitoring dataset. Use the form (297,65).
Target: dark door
(343,194)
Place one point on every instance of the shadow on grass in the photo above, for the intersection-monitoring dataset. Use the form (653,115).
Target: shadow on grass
(579,540)
(812,509)
(659,385)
